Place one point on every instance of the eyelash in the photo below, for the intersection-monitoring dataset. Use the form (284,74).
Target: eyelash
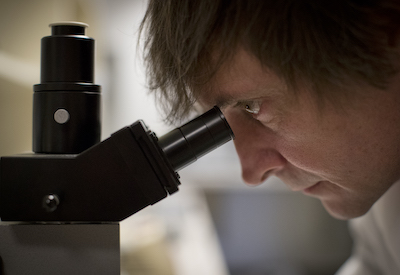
(257,109)
(252,107)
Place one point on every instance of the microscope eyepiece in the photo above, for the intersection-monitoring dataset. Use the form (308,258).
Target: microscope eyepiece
(68,28)
(196,138)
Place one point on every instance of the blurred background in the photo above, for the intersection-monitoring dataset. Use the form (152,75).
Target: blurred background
(215,225)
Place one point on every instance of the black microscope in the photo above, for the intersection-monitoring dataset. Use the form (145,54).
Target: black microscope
(72,179)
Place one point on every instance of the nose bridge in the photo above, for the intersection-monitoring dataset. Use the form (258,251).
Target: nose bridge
(256,148)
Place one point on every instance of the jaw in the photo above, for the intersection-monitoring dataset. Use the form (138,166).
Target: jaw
(343,209)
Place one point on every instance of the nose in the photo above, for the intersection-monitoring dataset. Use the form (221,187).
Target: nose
(255,146)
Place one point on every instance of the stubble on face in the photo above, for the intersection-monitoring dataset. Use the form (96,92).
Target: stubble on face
(346,156)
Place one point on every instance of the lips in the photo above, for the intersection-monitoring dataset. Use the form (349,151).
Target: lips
(298,187)
(314,189)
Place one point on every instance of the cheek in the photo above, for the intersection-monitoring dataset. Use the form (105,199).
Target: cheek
(313,148)
(242,124)
(340,151)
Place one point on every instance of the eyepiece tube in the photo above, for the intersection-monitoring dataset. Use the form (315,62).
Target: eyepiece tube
(196,138)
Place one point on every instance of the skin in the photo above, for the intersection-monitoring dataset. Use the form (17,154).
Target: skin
(345,156)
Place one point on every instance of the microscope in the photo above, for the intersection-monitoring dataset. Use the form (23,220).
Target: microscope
(60,206)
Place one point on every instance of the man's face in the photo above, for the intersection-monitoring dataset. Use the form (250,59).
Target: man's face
(346,156)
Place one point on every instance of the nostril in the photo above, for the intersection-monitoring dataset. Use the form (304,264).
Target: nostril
(253,179)
(258,154)
(266,176)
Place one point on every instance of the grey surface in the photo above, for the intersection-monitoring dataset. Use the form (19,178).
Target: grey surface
(59,249)
(277,233)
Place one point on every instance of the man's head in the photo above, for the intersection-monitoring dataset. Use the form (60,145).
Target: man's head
(310,88)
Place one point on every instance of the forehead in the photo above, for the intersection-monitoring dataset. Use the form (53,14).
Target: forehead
(240,78)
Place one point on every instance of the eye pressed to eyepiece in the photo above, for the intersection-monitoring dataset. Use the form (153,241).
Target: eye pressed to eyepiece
(253,107)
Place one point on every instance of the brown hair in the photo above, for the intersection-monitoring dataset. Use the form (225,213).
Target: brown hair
(323,43)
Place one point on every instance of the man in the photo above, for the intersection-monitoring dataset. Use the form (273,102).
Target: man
(311,90)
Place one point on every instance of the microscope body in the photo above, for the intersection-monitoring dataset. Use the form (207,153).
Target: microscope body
(71,176)
(70,193)
(105,183)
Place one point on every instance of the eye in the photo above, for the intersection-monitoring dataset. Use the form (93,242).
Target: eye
(261,110)
(252,107)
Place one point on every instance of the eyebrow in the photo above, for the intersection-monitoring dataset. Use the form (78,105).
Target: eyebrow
(224,99)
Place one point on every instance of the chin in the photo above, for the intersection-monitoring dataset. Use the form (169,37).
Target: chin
(345,211)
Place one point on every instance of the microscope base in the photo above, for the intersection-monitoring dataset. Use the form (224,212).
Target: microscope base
(59,249)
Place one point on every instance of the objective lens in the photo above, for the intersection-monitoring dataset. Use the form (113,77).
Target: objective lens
(196,138)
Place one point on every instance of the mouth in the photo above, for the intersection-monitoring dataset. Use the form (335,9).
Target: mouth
(313,190)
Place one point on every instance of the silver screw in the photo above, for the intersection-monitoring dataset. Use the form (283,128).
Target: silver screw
(51,202)
(61,116)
